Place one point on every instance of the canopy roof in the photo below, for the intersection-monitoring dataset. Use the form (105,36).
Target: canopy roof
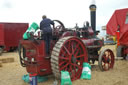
(119,22)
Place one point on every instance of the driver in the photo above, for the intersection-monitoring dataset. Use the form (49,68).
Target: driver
(45,26)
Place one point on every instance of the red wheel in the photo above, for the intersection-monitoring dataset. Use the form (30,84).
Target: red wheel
(69,54)
(106,60)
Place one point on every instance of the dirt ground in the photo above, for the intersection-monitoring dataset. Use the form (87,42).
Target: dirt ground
(11,73)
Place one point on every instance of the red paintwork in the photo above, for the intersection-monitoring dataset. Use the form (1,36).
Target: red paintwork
(88,42)
(11,33)
(90,31)
(118,27)
(69,33)
(118,37)
(118,18)
(124,36)
(72,54)
(36,51)
(65,57)
(118,23)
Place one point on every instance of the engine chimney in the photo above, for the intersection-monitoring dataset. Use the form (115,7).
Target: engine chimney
(92,8)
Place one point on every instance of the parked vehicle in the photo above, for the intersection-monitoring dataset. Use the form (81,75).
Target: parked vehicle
(118,26)
(69,50)
(10,34)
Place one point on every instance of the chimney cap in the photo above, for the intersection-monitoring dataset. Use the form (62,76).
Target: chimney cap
(92,7)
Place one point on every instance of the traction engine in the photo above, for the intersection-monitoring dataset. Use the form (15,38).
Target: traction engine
(69,49)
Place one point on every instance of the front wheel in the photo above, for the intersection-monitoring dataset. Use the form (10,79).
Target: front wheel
(106,60)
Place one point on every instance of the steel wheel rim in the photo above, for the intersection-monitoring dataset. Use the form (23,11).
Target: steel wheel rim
(71,59)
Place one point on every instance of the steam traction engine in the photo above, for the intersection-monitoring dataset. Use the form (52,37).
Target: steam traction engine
(69,49)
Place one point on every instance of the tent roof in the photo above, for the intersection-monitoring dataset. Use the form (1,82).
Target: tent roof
(117,21)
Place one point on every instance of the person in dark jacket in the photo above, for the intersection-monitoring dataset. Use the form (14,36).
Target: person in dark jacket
(45,26)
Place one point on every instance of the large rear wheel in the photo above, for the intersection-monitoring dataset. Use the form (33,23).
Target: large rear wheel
(69,54)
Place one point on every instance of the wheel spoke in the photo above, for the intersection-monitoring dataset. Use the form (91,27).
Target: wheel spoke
(77,46)
(75,54)
(73,72)
(74,69)
(78,61)
(78,51)
(72,49)
(77,72)
(62,62)
(80,56)
(76,65)
(105,60)
(67,50)
(106,65)
(64,67)
(64,54)
(63,58)
(69,46)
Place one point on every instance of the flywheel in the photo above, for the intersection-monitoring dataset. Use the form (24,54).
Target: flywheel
(68,54)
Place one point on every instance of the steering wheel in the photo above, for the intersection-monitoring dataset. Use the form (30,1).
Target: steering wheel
(58,27)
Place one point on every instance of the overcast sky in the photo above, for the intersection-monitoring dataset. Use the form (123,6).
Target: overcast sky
(67,11)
